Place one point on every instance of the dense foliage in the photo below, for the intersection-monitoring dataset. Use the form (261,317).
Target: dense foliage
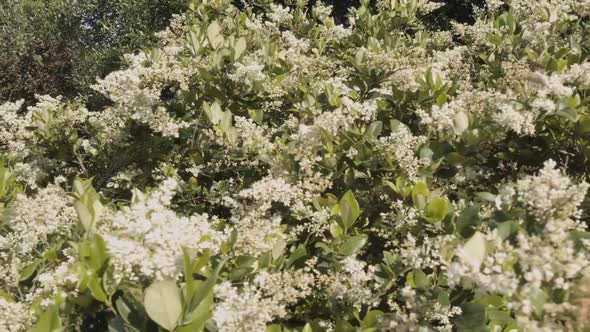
(60,47)
(267,169)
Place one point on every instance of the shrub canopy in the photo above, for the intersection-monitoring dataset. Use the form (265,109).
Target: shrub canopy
(268,169)
(60,47)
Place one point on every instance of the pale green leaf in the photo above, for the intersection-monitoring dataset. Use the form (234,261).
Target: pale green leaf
(460,122)
(163,303)
(240,48)
(474,250)
(48,321)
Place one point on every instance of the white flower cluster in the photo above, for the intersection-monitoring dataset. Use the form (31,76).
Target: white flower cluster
(354,284)
(37,222)
(13,132)
(15,316)
(403,146)
(520,270)
(415,313)
(146,239)
(551,195)
(255,304)
(494,274)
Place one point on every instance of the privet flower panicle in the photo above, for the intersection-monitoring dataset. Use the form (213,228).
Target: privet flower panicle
(147,238)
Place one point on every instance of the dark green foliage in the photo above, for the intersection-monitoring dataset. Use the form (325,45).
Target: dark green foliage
(59,47)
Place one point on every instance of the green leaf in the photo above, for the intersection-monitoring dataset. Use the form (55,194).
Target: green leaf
(198,317)
(343,326)
(28,271)
(372,318)
(197,304)
(505,225)
(495,301)
(87,203)
(353,244)
(214,112)
(84,215)
(193,42)
(374,129)
(473,318)
(307,328)
(297,254)
(499,316)
(441,99)
(395,125)
(95,287)
(188,271)
(257,115)
(538,298)
(6,296)
(460,122)
(419,195)
(417,279)
(349,209)
(335,230)
(278,248)
(273,328)
(442,296)
(468,221)
(163,303)
(346,215)
(50,255)
(475,249)
(49,321)
(226,121)
(131,312)
(239,48)
(426,153)
(455,159)
(116,325)
(437,209)
(213,34)
(94,253)
(486,196)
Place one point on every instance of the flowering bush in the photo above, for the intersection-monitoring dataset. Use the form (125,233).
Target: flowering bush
(274,171)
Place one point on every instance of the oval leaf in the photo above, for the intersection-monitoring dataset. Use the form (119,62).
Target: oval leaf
(163,303)
(460,123)
(474,250)
(353,245)
(419,194)
(438,208)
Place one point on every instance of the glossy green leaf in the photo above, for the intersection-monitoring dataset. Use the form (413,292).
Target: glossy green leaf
(437,209)
(353,244)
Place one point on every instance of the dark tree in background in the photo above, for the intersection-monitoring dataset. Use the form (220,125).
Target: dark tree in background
(59,47)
